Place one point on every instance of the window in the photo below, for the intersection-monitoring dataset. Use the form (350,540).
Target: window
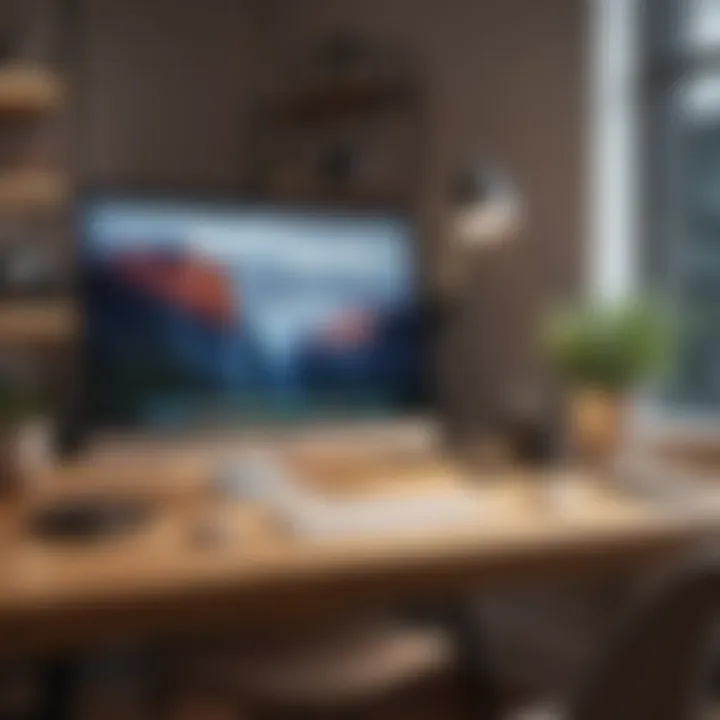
(679,99)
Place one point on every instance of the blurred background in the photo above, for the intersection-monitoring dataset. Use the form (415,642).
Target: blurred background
(178,96)
(495,218)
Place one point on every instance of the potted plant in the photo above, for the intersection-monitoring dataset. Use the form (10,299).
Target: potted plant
(602,352)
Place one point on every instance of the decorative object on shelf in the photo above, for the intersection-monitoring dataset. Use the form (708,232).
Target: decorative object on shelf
(344,56)
(603,352)
(36,40)
(340,164)
(347,131)
(29,88)
(31,263)
(24,434)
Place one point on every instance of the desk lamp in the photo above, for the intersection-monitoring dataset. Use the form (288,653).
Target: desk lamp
(487,212)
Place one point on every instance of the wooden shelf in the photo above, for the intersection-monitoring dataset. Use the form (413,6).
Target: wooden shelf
(29,89)
(33,322)
(32,191)
(338,103)
(339,198)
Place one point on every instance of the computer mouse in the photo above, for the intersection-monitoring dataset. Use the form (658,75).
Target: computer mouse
(89,518)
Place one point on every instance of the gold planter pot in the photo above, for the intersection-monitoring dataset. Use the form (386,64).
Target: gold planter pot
(597,420)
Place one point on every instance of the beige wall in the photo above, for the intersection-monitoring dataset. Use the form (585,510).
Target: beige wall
(505,78)
(170,86)
(167,89)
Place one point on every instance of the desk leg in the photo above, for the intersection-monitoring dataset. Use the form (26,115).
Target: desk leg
(479,681)
(59,689)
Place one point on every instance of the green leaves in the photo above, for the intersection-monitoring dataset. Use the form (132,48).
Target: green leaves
(610,347)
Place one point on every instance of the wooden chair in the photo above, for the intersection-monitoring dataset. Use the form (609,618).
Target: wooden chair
(650,669)
(653,666)
(341,672)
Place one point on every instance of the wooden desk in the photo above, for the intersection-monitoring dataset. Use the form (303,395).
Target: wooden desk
(158,581)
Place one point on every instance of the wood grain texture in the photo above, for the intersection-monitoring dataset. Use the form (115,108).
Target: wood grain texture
(159,581)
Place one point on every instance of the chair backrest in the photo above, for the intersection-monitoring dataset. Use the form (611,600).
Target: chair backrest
(653,668)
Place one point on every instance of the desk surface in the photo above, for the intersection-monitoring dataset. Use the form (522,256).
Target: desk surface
(160,580)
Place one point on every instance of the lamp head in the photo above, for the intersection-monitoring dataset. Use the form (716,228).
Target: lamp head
(487,207)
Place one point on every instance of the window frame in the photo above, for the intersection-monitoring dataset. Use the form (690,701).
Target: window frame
(637,58)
